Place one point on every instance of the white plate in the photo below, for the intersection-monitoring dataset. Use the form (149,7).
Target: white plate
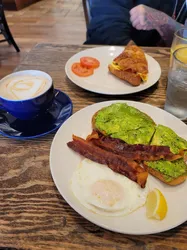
(102,81)
(63,162)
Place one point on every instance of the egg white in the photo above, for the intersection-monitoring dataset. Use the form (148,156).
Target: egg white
(105,192)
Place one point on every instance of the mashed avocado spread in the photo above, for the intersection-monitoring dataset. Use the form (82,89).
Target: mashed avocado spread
(170,169)
(165,136)
(126,123)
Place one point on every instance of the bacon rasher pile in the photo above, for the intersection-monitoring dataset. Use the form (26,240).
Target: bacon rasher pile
(120,157)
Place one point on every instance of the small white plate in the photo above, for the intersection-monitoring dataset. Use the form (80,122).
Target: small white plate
(102,81)
(63,162)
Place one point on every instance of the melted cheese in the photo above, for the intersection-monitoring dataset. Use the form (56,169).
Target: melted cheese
(117,67)
(143,76)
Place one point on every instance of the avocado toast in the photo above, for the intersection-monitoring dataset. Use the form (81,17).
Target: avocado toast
(132,126)
(124,122)
(170,172)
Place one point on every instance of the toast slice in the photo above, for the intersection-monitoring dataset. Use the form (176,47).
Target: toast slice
(165,178)
(171,173)
(165,136)
(124,122)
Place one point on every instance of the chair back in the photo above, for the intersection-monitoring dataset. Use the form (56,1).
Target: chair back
(86,6)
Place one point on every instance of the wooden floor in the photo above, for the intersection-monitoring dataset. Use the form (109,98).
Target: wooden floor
(56,21)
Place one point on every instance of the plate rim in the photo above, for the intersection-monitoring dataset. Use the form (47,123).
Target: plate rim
(102,225)
(109,93)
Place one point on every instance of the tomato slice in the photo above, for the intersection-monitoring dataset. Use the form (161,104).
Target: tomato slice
(89,62)
(81,71)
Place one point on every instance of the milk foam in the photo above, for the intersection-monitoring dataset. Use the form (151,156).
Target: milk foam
(23,87)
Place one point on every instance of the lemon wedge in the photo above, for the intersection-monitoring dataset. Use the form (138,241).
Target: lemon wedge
(156,205)
(182,55)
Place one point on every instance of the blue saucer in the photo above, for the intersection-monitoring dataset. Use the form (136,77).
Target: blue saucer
(48,122)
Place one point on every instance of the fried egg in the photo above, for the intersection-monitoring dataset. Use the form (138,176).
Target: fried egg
(105,192)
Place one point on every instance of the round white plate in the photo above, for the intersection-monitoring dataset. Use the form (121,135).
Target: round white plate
(63,162)
(102,81)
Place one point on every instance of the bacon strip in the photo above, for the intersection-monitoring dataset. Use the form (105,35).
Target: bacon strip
(117,163)
(138,152)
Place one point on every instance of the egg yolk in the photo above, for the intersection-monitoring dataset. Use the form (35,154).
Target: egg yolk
(108,192)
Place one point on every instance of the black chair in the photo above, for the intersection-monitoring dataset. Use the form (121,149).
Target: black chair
(86,6)
(4,29)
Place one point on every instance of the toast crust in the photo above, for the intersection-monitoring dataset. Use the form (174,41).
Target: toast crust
(93,122)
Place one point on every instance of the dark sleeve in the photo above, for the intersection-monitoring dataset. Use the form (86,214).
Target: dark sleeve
(110,22)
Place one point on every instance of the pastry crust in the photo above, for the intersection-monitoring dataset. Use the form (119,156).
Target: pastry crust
(130,77)
(131,65)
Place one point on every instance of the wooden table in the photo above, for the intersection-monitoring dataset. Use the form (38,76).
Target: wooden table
(33,215)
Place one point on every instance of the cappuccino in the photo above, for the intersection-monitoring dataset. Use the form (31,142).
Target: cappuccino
(22,87)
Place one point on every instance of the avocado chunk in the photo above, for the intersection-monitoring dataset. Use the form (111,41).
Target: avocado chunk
(165,136)
(125,122)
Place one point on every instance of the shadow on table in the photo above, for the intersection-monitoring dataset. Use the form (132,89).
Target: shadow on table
(91,96)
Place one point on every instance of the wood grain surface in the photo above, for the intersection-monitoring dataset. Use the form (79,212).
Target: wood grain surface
(33,215)
(47,21)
